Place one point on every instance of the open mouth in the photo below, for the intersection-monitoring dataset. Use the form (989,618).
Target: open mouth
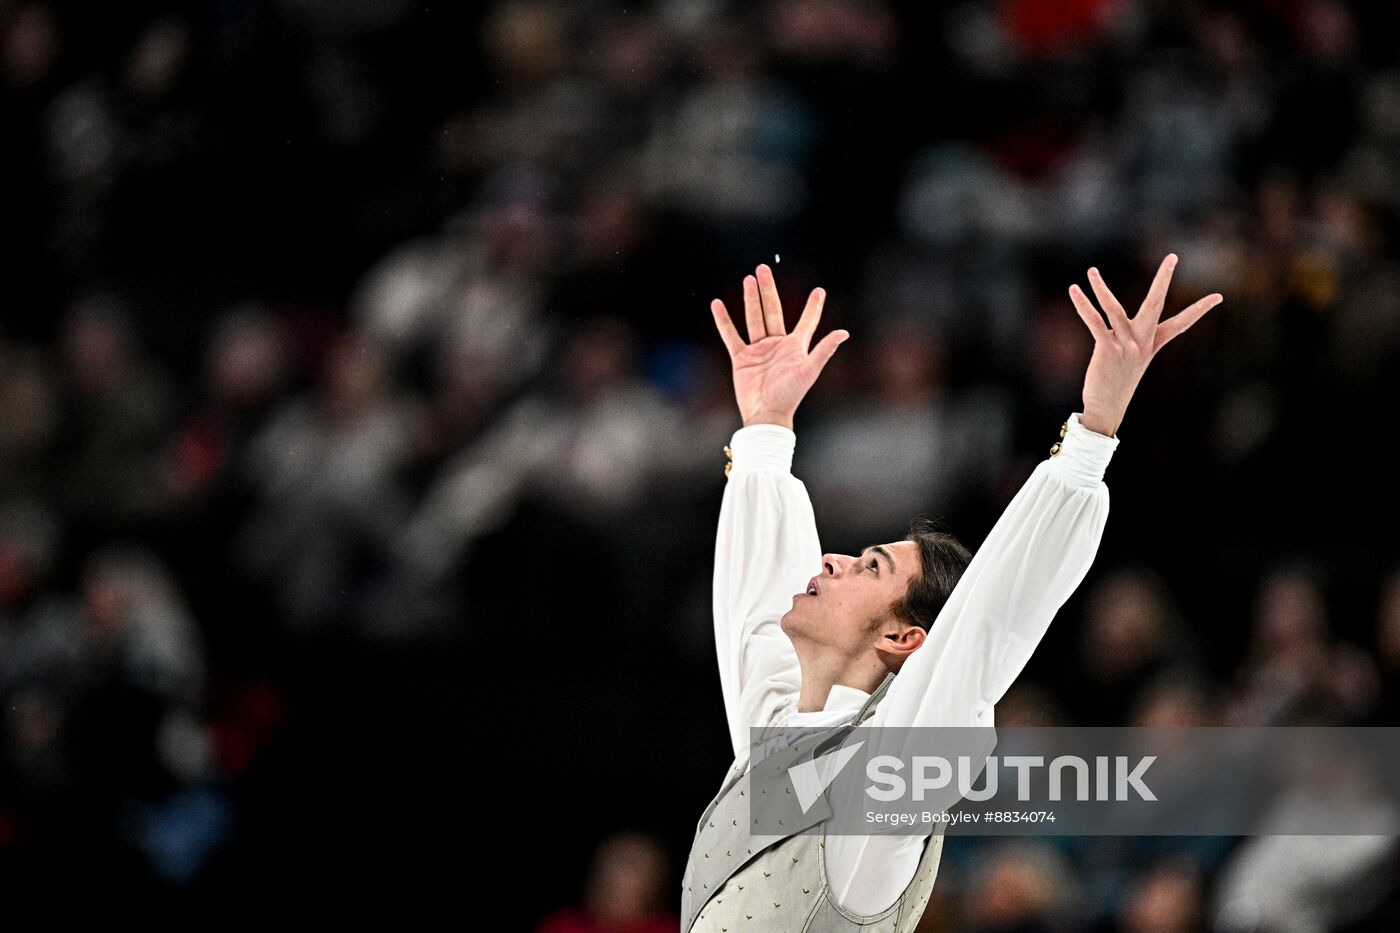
(813,589)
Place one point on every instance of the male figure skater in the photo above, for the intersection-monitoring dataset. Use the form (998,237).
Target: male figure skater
(807,639)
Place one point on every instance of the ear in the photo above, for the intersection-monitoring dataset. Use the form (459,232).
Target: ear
(898,642)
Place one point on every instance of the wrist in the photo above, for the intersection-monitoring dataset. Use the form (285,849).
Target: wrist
(781,419)
(1105,423)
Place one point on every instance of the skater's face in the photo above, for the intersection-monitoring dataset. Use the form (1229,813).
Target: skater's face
(849,605)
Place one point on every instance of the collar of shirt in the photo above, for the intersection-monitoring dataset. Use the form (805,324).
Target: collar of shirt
(844,697)
(842,703)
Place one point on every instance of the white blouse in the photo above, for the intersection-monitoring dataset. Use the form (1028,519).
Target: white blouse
(767,549)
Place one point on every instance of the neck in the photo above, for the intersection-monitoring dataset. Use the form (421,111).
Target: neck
(820,675)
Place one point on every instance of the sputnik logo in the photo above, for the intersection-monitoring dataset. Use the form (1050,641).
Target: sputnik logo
(811,778)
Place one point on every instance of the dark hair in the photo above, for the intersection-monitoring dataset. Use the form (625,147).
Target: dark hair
(942,559)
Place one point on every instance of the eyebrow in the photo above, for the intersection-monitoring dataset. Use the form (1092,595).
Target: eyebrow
(883,552)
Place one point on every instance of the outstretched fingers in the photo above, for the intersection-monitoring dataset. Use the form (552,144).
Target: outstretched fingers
(1177,324)
(772,307)
(811,317)
(1092,319)
(1117,317)
(725,325)
(822,353)
(753,310)
(1157,294)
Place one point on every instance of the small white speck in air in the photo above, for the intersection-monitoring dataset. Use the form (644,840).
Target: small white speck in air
(777,258)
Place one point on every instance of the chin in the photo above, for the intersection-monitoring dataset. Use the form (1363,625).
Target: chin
(796,621)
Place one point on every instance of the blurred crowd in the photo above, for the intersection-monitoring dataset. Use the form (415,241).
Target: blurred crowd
(361,413)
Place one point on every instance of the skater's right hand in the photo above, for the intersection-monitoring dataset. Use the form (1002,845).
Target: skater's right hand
(774,370)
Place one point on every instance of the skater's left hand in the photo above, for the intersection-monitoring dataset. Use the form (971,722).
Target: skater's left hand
(1125,346)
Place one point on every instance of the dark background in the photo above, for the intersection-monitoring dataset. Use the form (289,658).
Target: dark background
(361,415)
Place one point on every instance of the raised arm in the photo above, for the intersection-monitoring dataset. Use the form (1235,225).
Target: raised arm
(1025,570)
(767,545)
(1042,546)
(1028,566)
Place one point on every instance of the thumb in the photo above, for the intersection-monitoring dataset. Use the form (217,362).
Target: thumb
(823,352)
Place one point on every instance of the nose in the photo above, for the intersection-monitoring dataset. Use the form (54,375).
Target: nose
(833,565)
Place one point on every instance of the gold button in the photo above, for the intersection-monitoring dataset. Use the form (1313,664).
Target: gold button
(1055,449)
(730,454)
(1064,429)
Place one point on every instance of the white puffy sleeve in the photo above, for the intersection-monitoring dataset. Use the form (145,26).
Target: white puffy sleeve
(1025,570)
(1029,565)
(766,550)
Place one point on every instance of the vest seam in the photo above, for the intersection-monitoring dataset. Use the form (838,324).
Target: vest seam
(858,919)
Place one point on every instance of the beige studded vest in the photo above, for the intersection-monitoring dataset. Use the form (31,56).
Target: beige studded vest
(739,881)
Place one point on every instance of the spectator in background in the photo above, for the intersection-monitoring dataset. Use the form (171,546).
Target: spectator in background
(1177,700)
(1130,638)
(326,470)
(143,675)
(1168,898)
(40,636)
(903,447)
(592,443)
(119,408)
(1021,887)
(625,891)
(245,368)
(476,289)
(1305,884)
(729,151)
(30,410)
(1294,670)
(968,226)
(137,630)
(41,655)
